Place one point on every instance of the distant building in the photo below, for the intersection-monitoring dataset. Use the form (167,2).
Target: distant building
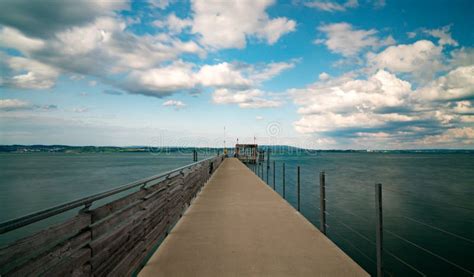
(247,153)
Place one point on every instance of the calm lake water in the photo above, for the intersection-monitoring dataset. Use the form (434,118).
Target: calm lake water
(428,201)
(427,198)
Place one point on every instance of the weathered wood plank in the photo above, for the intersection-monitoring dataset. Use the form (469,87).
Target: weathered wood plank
(29,247)
(74,265)
(105,247)
(111,222)
(117,256)
(103,211)
(52,257)
(126,265)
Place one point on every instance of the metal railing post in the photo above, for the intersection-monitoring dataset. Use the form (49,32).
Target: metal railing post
(284,180)
(268,164)
(298,186)
(322,201)
(274,175)
(379,228)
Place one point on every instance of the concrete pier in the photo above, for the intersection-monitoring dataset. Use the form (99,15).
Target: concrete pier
(238,226)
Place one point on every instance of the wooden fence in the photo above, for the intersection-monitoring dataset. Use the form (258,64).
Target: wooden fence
(113,239)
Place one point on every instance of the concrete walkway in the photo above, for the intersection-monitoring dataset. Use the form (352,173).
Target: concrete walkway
(238,226)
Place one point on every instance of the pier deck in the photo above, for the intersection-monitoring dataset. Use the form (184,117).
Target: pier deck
(238,226)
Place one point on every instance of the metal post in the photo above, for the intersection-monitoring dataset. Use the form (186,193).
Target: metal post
(273,175)
(322,201)
(268,164)
(283,180)
(298,183)
(379,228)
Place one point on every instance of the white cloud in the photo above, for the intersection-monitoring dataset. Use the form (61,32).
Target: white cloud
(346,102)
(271,70)
(228,24)
(222,75)
(464,107)
(463,135)
(174,103)
(443,35)
(343,39)
(457,84)
(160,4)
(84,39)
(324,76)
(12,38)
(332,6)
(462,57)
(34,75)
(162,81)
(247,99)
(13,104)
(259,118)
(422,58)
(174,24)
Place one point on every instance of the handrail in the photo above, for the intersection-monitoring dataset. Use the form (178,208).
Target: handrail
(28,219)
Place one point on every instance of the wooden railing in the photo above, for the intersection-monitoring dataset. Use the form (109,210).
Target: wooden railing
(112,239)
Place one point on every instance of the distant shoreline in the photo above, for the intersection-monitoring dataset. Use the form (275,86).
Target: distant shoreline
(170,149)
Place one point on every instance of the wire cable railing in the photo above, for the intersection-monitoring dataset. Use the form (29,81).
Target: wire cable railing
(428,251)
(438,229)
(334,204)
(439,203)
(403,262)
(358,250)
(372,243)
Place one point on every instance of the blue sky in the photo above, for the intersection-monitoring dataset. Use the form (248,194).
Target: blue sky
(362,74)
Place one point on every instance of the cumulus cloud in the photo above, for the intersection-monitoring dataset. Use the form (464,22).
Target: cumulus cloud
(174,24)
(222,75)
(101,48)
(453,136)
(162,81)
(30,74)
(385,109)
(423,58)
(175,104)
(332,6)
(443,34)
(462,57)
(343,38)
(12,38)
(458,84)
(228,24)
(96,42)
(247,99)
(182,76)
(345,102)
(40,19)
